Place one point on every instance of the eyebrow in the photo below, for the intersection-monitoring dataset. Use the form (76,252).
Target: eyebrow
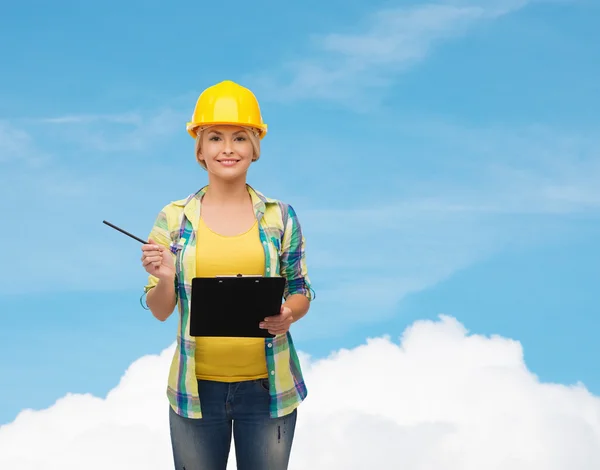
(220,133)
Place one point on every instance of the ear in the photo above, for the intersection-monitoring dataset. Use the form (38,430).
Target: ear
(201,161)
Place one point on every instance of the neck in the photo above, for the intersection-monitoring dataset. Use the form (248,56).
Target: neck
(226,192)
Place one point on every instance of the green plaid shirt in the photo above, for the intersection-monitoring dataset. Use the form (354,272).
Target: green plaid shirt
(281,236)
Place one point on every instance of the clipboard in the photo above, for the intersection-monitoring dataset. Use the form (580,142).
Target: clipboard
(233,306)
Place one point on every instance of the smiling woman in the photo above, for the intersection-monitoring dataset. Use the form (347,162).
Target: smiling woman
(209,142)
(248,387)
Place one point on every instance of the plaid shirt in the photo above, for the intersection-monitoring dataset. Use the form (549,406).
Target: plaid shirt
(281,236)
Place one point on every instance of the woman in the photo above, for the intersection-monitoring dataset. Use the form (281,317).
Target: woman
(218,387)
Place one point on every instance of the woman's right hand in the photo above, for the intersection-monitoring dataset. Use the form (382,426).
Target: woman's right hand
(158,261)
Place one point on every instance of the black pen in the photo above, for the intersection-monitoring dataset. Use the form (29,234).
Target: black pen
(125,232)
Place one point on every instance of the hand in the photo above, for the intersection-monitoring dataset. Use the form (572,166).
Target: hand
(278,324)
(158,261)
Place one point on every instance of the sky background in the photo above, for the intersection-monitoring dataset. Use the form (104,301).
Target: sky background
(443,158)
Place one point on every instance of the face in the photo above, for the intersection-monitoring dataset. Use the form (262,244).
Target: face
(226,151)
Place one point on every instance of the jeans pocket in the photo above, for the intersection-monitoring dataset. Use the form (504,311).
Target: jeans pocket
(264,383)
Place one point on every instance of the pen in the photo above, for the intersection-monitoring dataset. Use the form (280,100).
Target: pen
(125,232)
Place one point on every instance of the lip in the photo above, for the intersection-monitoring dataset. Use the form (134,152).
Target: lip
(228,161)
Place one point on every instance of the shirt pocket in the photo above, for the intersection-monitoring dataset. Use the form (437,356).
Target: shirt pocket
(176,249)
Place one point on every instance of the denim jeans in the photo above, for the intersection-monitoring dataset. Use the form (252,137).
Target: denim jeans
(241,410)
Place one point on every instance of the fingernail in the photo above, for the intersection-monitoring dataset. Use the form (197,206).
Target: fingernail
(262,325)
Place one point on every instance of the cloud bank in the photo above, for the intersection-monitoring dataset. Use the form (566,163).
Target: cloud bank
(389,42)
(439,398)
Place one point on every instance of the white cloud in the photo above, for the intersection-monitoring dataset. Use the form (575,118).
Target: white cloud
(392,40)
(386,253)
(515,189)
(441,398)
(126,131)
(124,118)
(57,180)
(131,131)
(17,146)
(512,171)
(12,141)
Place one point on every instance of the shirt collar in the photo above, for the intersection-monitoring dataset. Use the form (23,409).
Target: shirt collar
(191,204)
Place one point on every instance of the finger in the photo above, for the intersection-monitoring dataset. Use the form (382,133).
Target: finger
(152,247)
(274,318)
(152,260)
(276,326)
(278,319)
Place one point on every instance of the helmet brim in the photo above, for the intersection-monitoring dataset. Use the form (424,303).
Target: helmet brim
(192,126)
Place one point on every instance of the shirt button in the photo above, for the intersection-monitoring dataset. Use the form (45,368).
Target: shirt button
(268,269)
(270,345)
(272,372)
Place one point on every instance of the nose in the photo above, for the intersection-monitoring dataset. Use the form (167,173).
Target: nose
(227,147)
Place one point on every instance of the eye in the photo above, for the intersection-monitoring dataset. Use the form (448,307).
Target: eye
(214,137)
(241,138)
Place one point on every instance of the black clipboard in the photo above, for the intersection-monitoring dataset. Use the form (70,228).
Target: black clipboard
(234,306)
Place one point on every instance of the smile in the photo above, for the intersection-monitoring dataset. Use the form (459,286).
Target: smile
(228,162)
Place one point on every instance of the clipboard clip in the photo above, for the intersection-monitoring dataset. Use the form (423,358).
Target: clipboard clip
(238,275)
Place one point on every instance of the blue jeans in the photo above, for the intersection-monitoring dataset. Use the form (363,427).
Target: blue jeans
(240,409)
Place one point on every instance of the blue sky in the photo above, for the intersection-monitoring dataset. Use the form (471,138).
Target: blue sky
(443,159)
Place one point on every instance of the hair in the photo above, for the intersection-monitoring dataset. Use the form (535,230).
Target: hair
(251,133)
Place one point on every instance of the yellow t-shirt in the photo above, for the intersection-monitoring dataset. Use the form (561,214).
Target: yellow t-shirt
(229,359)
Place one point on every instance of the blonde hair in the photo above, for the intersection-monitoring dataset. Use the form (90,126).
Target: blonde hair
(251,133)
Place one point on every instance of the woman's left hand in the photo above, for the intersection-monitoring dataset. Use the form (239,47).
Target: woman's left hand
(279,324)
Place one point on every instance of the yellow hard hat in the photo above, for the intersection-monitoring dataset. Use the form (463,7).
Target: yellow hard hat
(227,103)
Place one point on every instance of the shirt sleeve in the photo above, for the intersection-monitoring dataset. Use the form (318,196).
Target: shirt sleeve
(293,259)
(160,234)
